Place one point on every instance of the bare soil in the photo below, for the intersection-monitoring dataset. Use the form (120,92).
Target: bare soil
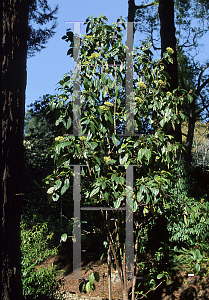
(179,287)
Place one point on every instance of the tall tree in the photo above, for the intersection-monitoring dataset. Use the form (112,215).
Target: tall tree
(15,42)
(168,40)
(15,33)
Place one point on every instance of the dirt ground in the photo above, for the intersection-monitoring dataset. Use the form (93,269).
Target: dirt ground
(180,287)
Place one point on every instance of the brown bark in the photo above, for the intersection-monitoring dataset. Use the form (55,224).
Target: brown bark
(131,10)
(14,54)
(190,134)
(168,39)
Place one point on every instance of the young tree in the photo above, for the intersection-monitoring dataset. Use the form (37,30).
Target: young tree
(108,154)
(15,40)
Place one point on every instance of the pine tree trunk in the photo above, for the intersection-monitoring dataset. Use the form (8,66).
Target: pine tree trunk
(168,39)
(14,54)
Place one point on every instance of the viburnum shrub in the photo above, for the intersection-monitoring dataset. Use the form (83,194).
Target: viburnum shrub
(42,282)
(106,153)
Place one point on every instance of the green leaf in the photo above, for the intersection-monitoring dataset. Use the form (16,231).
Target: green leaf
(185,220)
(162,122)
(198,255)
(65,186)
(97,84)
(113,177)
(145,211)
(118,202)
(91,278)
(68,123)
(190,98)
(124,159)
(57,185)
(86,84)
(93,145)
(92,127)
(50,190)
(58,121)
(104,78)
(136,144)
(140,154)
(58,148)
(159,276)
(87,287)
(148,198)
(135,206)
(110,117)
(104,92)
(94,192)
(148,154)
(197,267)
(139,196)
(116,90)
(63,237)
(55,197)
(82,287)
(103,185)
(115,141)
(99,162)
(109,83)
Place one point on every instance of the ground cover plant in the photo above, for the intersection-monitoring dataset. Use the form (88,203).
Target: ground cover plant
(38,282)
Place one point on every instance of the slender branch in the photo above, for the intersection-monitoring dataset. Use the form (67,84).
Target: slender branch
(114,252)
(145,5)
(202,86)
(152,41)
(203,103)
(151,290)
(87,161)
(200,75)
(135,266)
(108,141)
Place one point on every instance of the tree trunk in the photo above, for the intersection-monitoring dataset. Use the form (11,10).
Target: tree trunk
(168,39)
(125,294)
(190,134)
(14,54)
(131,11)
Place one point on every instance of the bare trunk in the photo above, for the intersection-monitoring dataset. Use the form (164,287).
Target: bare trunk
(14,50)
(190,134)
(168,39)
(109,260)
(125,294)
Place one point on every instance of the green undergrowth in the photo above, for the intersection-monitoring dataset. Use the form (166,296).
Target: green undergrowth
(38,282)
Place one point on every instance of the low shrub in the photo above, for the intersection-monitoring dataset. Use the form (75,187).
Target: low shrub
(38,282)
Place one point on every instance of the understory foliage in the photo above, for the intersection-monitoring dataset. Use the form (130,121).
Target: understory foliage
(107,153)
(38,282)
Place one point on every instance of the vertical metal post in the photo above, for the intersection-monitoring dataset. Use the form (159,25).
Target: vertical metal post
(76,81)
(129,130)
(129,223)
(77,224)
(109,257)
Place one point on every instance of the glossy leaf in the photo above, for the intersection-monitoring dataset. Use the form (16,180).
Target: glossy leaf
(87,287)
(94,192)
(91,278)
